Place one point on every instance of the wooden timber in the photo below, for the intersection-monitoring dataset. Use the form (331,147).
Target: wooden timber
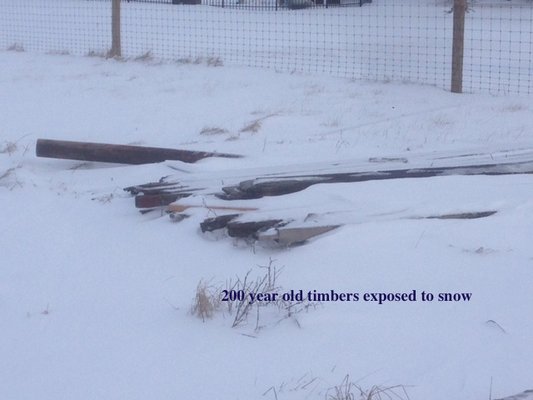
(117,153)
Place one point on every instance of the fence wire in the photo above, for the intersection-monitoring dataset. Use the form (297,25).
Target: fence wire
(499,47)
(378,40)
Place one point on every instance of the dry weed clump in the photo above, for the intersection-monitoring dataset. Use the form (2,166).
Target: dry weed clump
(239,299)
(16,47)
(8,148)
(8,178)
(348,390)
(206,301)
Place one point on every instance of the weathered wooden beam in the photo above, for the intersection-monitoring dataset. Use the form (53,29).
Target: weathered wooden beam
(465,215)
(291,236)
(267,186)
(284,233)
(155,188)
(239,229)
(527,395)
(116,153)
(294,236)
(182,207)
(215,223)
(250,229)
(158,200)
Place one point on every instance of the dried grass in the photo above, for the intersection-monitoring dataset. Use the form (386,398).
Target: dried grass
(252,127)
(213,130)
(255,125)
(9,148)
(8,178)
(16,47)
(348,390)
(146,57)
(206,301)
(239,300)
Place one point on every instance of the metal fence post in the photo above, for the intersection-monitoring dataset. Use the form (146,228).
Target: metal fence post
(116,48)
(459,11)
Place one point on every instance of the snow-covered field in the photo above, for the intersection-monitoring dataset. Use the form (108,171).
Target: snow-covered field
(95,298)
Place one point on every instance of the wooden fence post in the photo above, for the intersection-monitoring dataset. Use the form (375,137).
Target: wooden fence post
(116,48)
(459,11)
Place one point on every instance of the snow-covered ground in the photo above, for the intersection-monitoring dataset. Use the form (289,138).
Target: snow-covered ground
(95,298)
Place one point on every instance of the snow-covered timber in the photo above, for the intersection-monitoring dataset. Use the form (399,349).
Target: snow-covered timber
(260,187)
(166,191)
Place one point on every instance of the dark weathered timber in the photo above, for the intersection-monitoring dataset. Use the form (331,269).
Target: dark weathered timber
(250,190)
(183,207)
(294,236)
(279,187)
(467,215)
(152,188)
(158,200)
(285,235)
(116,153)
(215,223)
(250,229)
(528,394)
(158,195)
(260,187)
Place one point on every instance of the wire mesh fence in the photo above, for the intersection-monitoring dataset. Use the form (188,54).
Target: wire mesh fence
(381,40)
(499,47)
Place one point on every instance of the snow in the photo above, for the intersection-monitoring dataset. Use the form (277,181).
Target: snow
(95,298)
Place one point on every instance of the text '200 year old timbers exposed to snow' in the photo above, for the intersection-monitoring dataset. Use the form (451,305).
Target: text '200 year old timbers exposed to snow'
(333,296)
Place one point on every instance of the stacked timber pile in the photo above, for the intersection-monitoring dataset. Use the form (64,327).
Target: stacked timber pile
(236,207)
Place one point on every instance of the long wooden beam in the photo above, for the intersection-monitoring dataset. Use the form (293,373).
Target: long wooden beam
(117,153)
(266,186)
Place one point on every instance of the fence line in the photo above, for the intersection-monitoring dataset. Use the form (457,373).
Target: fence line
(383,40)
